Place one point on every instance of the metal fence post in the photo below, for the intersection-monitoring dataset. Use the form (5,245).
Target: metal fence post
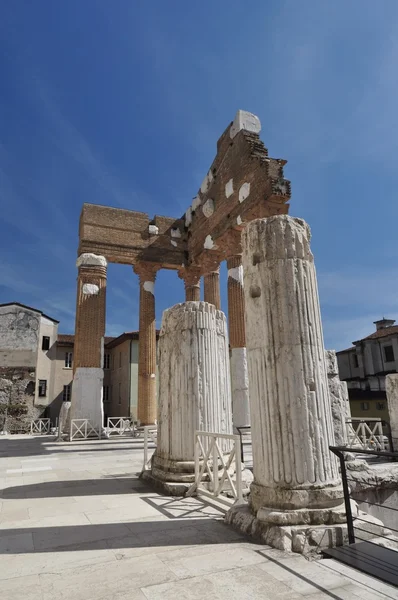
(238,466)
(145,447)
(348,512)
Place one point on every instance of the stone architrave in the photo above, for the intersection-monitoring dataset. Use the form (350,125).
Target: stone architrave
(392,405)
(146,409)
(194,388)
(340,403)
(296,481)
(88,376)
(237,341)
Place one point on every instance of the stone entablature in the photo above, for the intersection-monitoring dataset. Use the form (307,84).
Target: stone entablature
(242,184)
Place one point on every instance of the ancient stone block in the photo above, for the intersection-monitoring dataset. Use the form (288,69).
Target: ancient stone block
(338,399)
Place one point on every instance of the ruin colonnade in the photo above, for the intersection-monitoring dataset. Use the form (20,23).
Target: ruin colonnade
(91,318)
(242,184)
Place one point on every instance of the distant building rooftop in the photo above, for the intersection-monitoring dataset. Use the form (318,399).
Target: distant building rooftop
(380,333)
(127,335)
(36,310)
(66,339)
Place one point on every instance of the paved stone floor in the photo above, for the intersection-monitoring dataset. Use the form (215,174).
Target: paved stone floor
(77,523)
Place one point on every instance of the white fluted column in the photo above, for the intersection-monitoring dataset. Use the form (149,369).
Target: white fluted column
(194,386)
(296,478)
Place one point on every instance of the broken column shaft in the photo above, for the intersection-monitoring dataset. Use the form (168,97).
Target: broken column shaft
(194,388)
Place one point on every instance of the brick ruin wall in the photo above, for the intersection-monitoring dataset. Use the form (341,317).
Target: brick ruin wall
(17,394)
(19,335)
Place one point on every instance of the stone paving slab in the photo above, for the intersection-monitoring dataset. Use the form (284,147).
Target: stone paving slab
(80,524)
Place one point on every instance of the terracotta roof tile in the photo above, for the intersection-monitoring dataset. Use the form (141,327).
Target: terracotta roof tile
(380,333)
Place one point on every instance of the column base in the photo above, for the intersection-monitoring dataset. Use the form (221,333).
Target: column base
(172,477)
(285,501)
(308,540)
(176,477)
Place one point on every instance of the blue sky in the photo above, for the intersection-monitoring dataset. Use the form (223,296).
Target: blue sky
(121,103)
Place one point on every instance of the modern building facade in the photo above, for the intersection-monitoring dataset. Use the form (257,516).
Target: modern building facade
(120,390)
(36,368)
(27,364)
(364,367)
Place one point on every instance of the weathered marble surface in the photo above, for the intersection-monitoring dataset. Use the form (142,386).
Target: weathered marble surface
(296,479)
(392,403)
(194,386)
(338,398)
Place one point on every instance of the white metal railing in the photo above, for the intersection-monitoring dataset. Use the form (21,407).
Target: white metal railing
(367,434)
(84,428)
(221,466)
(40,426)
(119,425)
(150,435)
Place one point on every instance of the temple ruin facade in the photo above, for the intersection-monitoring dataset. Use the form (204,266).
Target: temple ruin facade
(242,184)
(277,353)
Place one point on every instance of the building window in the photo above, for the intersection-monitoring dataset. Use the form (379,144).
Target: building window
(388,354)
(380,405)
(355,361)
(120,359)
(68,360)
(107,361)
(67,392)
(364,405)
(45,343)
(42,388)
(120,392)
(106,393)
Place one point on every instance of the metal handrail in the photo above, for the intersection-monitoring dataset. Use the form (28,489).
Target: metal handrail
(239,430)
(340,452)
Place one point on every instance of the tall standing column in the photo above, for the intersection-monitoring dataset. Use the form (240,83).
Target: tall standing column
(191,277)
(212,288)
(146,409)
(89,339)
(296,479)
(237,341)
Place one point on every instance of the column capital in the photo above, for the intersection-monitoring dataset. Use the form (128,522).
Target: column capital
(210,263)
(190,275)
(88,259)
(146,271)
(234,260)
